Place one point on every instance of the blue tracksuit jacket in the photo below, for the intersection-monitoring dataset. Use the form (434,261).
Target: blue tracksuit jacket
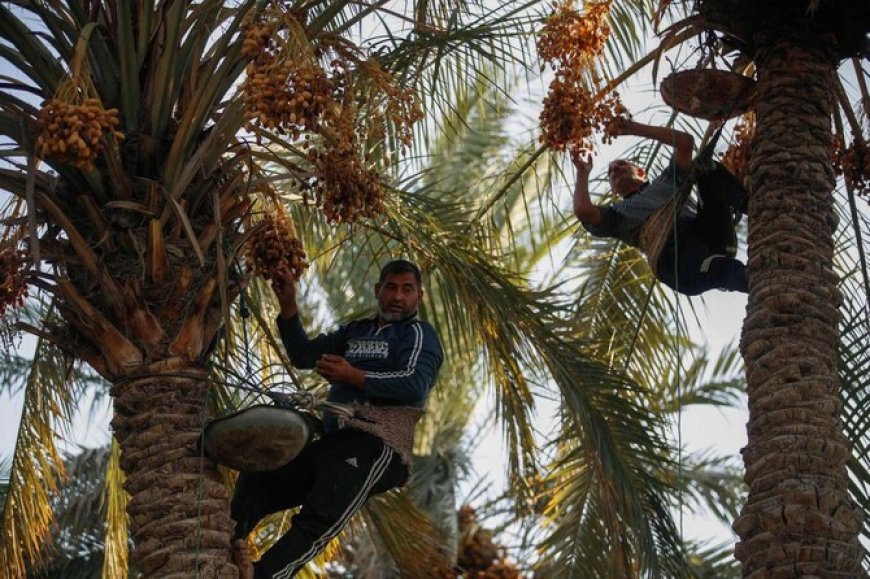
(400,360)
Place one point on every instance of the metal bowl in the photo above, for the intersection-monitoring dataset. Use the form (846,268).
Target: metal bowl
(258,438)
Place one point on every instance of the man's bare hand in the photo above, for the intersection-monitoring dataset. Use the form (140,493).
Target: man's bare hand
(582,159)
(622,126)
(284,287)
(338,370)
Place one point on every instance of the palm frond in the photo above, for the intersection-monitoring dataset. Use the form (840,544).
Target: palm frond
(433,490)
(75,545)
(712,561)
(711,482)
(854,363)
(114,502)
(408,535)
(600,406)
(577,505)
(717,382)
(37,467)
(475,50)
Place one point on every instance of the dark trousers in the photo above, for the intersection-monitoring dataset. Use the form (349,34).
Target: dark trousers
(331,479)
(699,259)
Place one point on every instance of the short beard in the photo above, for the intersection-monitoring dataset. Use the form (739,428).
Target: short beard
(392,317)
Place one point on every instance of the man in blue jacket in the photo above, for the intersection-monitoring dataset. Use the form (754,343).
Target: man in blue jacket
(383,367)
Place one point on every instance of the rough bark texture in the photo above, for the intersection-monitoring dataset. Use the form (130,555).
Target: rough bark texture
(178,505)
(799,520)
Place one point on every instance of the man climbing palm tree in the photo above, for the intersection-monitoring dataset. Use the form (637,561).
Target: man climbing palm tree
(701,256)
(383,367)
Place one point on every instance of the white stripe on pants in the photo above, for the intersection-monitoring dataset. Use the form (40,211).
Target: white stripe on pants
(380,465)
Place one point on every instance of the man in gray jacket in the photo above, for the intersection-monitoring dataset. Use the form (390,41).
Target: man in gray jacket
(701,256)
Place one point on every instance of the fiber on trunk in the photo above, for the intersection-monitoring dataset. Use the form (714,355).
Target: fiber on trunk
(178,508)
(799,519)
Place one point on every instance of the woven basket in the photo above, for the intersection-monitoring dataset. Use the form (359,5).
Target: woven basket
(392,424)
(709,93)
(655,233)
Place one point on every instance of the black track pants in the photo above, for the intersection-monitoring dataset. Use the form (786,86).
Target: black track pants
(698,260)
(721,194)
(331,480)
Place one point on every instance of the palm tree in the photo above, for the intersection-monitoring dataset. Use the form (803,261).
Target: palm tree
(144,243)
(799,517)
(136,216)
(138,235)
(135,227)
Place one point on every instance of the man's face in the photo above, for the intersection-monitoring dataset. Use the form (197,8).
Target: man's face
(624,177)
(398,296)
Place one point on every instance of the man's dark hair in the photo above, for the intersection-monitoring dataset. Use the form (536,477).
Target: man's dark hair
(401,266)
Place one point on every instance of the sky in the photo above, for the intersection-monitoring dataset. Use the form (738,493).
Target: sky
(700,429)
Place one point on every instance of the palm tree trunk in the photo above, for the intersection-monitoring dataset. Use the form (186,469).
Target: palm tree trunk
(799,519)
(179,508)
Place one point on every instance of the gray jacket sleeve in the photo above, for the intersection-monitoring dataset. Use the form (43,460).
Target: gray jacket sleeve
(609,224)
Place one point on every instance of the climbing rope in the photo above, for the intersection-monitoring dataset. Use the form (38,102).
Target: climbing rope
(245,313)
(701,163)
(300,400)
(676,207)
(654,246)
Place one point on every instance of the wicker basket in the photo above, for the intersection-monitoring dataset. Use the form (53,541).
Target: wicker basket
(709,93)
(655,233)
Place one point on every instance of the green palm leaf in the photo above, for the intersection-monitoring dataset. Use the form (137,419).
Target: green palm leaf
(37,468)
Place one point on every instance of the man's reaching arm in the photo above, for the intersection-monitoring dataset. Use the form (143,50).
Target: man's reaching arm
(682,142)
(303,352)
(586,211)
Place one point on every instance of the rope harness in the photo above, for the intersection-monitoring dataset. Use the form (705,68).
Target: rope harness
(301,400)
(290,421)
(659,227)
